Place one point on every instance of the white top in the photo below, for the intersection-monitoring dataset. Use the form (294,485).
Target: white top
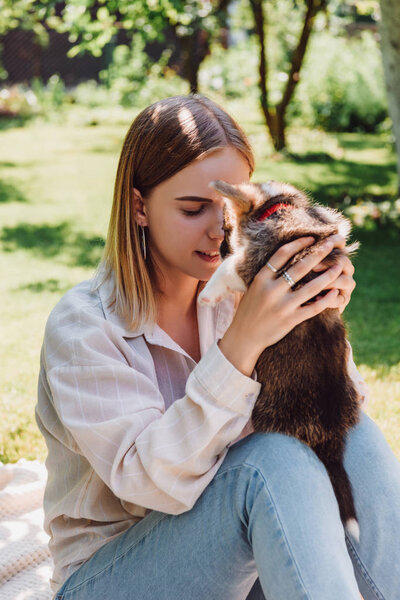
(131,422)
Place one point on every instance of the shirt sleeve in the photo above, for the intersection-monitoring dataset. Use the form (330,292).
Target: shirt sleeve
(359,382)
(148,456)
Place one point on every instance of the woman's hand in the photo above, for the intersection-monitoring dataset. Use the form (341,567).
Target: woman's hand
(344,282)
(269,309)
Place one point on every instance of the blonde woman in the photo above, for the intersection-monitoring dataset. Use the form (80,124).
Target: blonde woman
(157,488)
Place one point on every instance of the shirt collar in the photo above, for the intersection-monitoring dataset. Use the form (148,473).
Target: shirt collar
(212,321)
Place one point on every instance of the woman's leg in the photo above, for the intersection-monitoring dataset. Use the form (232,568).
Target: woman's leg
(374,472)
(270,512)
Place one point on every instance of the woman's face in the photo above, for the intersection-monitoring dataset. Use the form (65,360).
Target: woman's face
(185,216)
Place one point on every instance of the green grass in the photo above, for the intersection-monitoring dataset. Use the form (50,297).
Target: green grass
(55,198)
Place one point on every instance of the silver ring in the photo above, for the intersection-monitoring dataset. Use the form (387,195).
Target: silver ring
(271,267)
(287,278)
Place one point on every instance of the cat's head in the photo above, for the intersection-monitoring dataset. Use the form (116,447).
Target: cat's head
(273,213)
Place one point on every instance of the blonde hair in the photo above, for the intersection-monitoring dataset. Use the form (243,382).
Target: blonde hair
(163,139)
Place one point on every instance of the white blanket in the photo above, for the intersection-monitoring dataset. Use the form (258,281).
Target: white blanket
(25,562)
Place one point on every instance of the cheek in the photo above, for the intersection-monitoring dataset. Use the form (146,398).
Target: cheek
(188,227)
(178,234)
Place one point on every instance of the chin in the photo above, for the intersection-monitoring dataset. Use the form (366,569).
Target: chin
(203,274)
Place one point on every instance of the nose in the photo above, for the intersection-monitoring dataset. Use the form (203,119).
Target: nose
(216,229)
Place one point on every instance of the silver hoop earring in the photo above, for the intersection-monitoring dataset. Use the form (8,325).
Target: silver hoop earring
(143,243)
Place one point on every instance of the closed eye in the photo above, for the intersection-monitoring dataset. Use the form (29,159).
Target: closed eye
(192,213)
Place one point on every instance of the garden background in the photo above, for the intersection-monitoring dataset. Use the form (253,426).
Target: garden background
(60,138)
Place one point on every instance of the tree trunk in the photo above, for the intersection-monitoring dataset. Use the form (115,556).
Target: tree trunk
(275,117)
(390,45)
(195,49)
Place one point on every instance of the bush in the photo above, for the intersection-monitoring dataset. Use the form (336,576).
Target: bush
(342,84)
(371,215)
(232,73)
(18,101)
(51,95)
(337,91)
(134,80)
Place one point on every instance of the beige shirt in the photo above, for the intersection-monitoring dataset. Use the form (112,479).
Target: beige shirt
(131,422)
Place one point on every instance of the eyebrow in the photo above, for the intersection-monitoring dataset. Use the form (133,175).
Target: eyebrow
(194,199)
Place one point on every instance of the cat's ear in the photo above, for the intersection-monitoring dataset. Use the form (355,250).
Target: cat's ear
(239,200)
(243,198)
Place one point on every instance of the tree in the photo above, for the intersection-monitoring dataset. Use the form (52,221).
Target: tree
(24,14)
(275,116)
(390,44)
(92,24)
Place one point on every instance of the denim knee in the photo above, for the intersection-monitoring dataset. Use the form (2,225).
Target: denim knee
(274,455)
(280,479)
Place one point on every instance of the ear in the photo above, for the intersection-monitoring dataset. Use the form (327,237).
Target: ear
(139,207)
(242,198)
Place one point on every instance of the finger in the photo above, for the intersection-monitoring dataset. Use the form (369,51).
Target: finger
(306,264)
(331,300)
(315,287)
(345,284)
(338,240)
(347,265)
(342,297)
(285,253)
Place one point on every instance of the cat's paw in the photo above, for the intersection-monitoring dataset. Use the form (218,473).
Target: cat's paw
(208,298)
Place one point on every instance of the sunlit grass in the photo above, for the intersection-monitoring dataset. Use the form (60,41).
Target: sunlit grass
(55,198)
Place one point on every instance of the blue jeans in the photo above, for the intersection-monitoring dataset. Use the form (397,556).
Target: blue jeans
(267,526)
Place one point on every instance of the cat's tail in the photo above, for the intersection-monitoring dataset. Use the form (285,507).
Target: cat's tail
(344,495)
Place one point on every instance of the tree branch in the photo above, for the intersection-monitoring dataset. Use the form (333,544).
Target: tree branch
(258,12)
(313,7)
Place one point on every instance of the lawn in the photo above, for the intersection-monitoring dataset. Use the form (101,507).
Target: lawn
(55,196)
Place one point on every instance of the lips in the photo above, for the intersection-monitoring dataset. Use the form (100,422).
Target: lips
(211,257)
(211,253)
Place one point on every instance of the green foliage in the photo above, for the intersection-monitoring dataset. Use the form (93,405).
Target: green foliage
(18,101)
(51,95)
(135,80)
(91,94)
(371,215)
(232,72)
(91,27)
(342,84)
(25,14)
(337,91)
(283,24)
(24,102)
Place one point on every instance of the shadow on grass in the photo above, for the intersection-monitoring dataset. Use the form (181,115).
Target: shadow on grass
(49,241)
(9,192)
(4,164)
(49,285)
(310,157)
(13,122)
(345,177)
(372,315)
(87,250)
(362,141)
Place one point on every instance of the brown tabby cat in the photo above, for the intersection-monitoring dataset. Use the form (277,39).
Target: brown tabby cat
(306,390)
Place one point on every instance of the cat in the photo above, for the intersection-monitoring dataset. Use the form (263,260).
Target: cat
(306,391)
